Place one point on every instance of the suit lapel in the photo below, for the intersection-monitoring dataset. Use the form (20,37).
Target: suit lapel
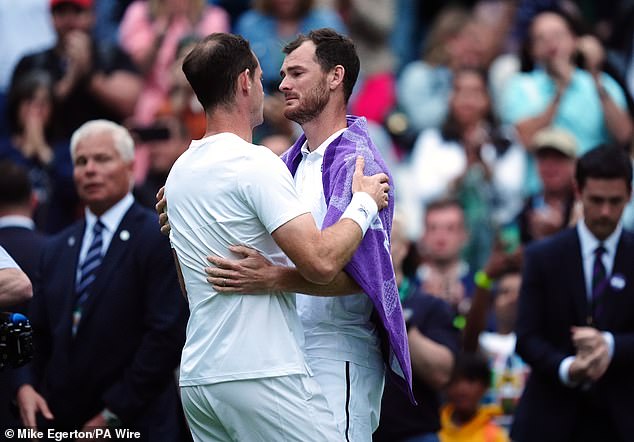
(70,254)
(118,248)
(577,280)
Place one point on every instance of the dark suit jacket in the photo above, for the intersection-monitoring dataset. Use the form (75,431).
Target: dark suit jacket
(129,340)
(25,247)
(552,300)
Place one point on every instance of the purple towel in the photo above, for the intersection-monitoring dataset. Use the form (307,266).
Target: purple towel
(371,265)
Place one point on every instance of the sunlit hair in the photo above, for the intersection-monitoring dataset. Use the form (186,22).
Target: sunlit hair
(123,142)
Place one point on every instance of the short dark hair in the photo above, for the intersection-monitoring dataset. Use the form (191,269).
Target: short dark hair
(606,161)
(213,66)
(443,203)
(15,185)
(332,49)
(472,367)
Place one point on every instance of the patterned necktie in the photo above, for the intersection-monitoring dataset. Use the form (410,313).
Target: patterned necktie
(88,272)
(599,277)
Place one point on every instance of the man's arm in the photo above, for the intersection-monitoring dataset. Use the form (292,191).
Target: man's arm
(532,343)
(118,90)
(319,255)
(15,287)
(254,274)
(433,340)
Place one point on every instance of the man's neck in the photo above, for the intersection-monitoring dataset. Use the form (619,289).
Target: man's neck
(323,126)
(445,267)
(557,196)
(233,121)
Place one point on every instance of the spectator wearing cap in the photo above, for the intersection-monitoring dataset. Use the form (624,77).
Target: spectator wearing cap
(92,79)
(550,210)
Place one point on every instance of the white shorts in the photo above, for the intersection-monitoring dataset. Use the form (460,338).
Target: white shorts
(353,393)
(284,408)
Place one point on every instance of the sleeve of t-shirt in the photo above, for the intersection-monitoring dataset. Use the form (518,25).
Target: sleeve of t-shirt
(6,262)
(434,320)
(614,90)
(268,188)
(515,105)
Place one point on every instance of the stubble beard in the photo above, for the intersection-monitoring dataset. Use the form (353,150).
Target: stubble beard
(311,107)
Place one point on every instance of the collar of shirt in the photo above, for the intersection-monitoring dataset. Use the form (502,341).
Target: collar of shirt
(589,243)
(321,149)
(111,219)
(17,221)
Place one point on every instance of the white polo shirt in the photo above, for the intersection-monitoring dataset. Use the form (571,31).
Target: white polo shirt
(224,191)
(337,328)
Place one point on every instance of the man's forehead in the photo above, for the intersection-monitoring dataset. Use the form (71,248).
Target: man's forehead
(304,54)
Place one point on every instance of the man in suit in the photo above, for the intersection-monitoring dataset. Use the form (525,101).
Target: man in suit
(107,315)
(17,229)
(576,316)
(19,237)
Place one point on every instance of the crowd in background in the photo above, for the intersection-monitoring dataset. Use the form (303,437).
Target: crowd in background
(480,109)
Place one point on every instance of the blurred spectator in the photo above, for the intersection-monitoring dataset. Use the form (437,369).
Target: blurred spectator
(30,114)
(463,418)
(433,343)
(370,23)
(620,45)
(424,86)
(443,273)
(588,103)
(181,102)
(271,24)
(25,27)
(551,209)
(108,14)
(471,158)
(495,298)
(150,33)
(235,8)
(628,213)
(91,79)
(20,239)
(166,140)
(108,318)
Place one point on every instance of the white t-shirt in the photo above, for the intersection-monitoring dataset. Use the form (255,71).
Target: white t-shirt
(224,191)
(6,262)
(337,327)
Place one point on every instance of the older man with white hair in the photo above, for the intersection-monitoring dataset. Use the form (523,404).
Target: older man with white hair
(108,318)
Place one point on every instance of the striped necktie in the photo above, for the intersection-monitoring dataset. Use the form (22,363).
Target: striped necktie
(88,272)
(599,278)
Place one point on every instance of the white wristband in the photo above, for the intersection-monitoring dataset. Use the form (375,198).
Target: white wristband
(362,210)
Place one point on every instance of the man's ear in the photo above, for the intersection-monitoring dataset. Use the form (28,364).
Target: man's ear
(244,81)
(335,78)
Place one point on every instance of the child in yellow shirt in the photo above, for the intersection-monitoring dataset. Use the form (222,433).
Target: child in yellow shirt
(463,418)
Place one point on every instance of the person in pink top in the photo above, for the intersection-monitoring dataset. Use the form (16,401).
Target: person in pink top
(150,32)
